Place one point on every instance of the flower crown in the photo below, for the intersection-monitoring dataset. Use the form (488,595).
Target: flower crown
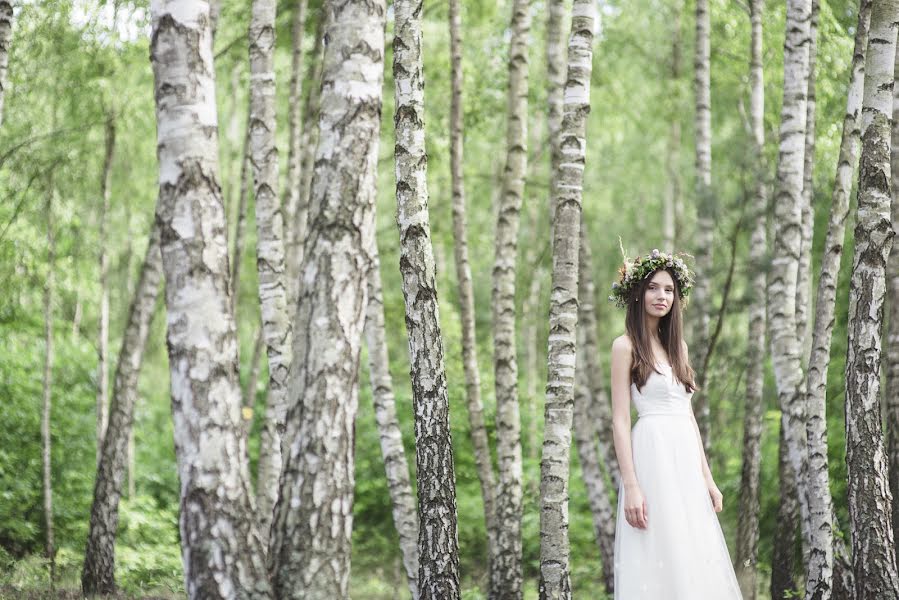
(631,272)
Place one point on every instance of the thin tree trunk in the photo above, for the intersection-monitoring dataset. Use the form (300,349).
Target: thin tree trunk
(6,24)
(870,501)
(479,440)
(567,189)
(293,243)
(821,583)
(672,196)
(49,291)
(750,477)
(438,571)
(600,413)
(98,573)
(597,492)
(505,566)
(405,518)
(705,209)
(891,397)
(222,554)
(555,87)
(310,133)
(270,261)
(240,229)
(781,295)
(310,545)
(103,334)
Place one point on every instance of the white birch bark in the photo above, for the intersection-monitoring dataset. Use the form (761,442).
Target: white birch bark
(310,547)
(438,572)
(820,581)
(293,242)
(479,440)
(6,28)
(98,573)
(405,517)
(47,398)
(785,350)
(555,578)
(705,214)
(746,563)
(870,501)
(891,366)
(270,263)
(103,333)
(221,549)
(505,566)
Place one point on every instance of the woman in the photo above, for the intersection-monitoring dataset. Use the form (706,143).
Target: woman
(668,542)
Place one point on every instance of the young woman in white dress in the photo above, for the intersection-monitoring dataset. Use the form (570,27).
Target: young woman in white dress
(668,541)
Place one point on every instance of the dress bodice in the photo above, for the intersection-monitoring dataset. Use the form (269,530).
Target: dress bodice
(662,394)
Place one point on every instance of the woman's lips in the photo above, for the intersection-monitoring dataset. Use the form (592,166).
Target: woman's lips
(659,305)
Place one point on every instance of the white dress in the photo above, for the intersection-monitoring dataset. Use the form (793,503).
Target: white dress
(681,555)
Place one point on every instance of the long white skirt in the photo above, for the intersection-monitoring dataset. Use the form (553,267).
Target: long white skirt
(681,555)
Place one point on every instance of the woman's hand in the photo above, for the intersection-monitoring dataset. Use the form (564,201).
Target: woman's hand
(715,495)
(635,507)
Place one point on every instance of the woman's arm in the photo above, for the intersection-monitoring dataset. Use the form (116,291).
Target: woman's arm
(621,408)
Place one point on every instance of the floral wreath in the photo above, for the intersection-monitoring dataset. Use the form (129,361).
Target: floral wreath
(633,271)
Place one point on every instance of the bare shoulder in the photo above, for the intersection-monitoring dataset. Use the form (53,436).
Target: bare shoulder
(622,347)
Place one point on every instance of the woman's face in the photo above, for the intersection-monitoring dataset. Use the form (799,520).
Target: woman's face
(659,295)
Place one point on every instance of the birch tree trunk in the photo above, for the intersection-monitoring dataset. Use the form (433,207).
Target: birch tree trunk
(785,350)
(555,87)
(310,547)
(310,133)
(103,334)
(820,582)
(479,440)
(891,398)
(870,501)
(293,243)
(270,264)
(600,409)
(98,573)
(222,553)
(240,229)
(6,24)
(505,568)
(567,188)
(438,573)
(705,209)
(750,487)
(46,406)
(597,492)
(405,517)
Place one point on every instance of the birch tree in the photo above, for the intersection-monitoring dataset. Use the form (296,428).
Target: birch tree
(405,517)
(820,581)
(891,397)
(479,440)
(873,553)
(7,19)
(438,572)
(98,572)
(310,546)
(750,486)
(782,285)
(103,333)
(222,553)
(505,568)
(567,187)
(270,267)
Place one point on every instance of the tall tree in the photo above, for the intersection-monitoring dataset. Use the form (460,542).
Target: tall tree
(479,440)
(222,553)
(750,477)
(6,24)
(293,242)
(438,571)
(103,333)
(98,573)
(891,397)
(782,284)
(505,568)
(310,545)
(405,518)
(47,404)
(567,188)
(873,553)
(821,581)
(270,264)
(705,208)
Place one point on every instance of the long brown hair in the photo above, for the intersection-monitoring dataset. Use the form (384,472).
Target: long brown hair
(670,335)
